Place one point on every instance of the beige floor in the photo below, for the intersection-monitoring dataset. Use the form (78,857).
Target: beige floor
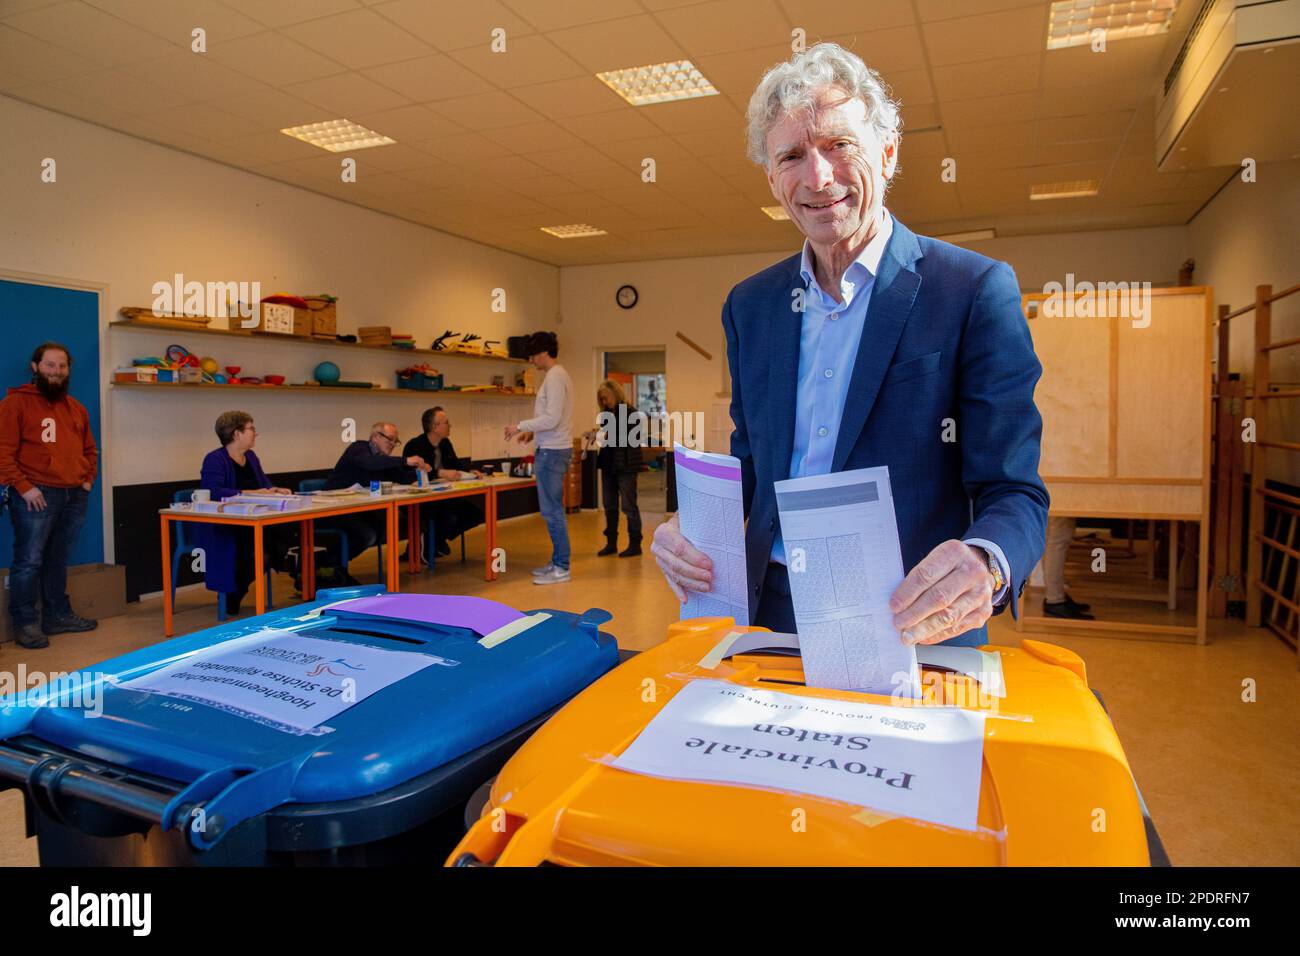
(1221,777)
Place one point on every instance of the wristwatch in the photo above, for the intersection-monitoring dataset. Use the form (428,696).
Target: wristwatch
(994,569)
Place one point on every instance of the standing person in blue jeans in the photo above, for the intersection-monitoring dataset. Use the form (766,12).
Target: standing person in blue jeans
(48,462)
(552,429)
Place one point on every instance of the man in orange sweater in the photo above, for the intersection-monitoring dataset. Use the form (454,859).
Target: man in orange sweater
(48,461)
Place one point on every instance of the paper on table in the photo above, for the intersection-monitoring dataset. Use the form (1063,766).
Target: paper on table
(712,515)
(841,547)
(919,762)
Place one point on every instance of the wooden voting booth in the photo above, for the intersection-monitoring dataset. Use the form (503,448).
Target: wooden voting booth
(1125,400)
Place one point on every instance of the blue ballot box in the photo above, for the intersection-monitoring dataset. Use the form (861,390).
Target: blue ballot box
(335,732)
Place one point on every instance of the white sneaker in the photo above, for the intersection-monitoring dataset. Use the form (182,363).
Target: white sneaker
(546,568)
(554,576)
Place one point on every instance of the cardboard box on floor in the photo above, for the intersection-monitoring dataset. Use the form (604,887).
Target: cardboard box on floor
(95,590)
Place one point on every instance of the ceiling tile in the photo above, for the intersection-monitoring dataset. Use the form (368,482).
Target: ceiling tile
(38,61)
(947,9)
(718,26)
(688,116)
(738,72)
(273,59)
(408,123)
(175,20)
(887,51)
(486,111)
(281,13)
(201,119)
(526,60)
(570,97)
(619,44)
(820,19)
(472,24)
(625,123)
(274,110)
(118,89)
(529,137)
(92,33)
(549,15)
(966,39)
(194,76)
(358,39)
(347,94)
(1014,108)
(995,77)
(428,78)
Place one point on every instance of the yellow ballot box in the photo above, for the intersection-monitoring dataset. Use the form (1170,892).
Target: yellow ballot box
(710,750)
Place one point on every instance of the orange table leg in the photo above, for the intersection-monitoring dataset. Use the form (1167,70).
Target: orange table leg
(412,538)
(307,558)
(259,569)
(394,569)
(166,576)
(489,531)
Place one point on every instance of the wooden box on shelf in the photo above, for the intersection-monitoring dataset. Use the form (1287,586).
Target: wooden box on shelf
(324,316)
(277,318)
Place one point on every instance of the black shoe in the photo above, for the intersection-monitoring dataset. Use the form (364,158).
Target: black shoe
(68,623)
(1071,602)
(30,637)
(1063,609)
(611,547)
(631,551)
(444,549)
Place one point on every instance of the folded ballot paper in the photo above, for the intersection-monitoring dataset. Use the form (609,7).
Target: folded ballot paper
(841,548)
(712,515)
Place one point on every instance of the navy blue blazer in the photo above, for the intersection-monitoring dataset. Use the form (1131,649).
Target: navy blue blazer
(944,337)
(220,541)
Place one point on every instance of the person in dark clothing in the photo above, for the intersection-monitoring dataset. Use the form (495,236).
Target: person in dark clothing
(620,433)
(451,518)
(361,463)
(228,471)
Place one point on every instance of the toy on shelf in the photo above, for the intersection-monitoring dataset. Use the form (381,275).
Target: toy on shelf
(440,343)
(421,378)
(327,373)
(470,344)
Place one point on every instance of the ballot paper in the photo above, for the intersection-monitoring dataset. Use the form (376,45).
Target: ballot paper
(918,762)
(842,552)
(712,515)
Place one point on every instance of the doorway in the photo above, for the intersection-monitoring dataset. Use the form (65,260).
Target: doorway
(642,371)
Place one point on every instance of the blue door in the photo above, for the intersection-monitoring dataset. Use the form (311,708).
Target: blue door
(32,314)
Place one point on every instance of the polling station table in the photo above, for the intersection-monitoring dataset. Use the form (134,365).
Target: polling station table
(336,506)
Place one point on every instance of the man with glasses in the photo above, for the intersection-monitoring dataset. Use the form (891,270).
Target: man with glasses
(361,463)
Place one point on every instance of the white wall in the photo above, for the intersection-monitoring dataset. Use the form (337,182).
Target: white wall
(687,295)
(125,214)
(1249,235)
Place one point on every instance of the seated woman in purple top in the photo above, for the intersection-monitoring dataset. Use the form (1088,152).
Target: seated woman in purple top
(230,470)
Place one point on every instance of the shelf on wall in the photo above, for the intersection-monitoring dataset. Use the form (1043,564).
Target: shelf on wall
(145,325)
(318,389)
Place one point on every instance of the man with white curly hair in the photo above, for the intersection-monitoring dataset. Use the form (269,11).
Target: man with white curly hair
(876,346)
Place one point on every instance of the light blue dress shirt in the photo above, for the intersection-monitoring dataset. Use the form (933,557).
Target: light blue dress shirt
(828,349)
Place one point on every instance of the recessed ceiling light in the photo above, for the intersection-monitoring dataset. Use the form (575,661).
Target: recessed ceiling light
(974,235)
(658,83)
(1072,21)
(1065,190)
(338,136)
(575,231)
(776,212)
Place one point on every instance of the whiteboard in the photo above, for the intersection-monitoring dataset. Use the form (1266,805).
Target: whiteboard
(488,421)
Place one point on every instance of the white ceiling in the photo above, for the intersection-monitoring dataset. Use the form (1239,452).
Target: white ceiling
(492,146)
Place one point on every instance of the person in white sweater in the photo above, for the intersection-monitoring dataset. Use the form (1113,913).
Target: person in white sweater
(552,428)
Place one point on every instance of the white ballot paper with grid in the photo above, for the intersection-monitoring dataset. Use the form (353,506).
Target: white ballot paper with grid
(842,552)
(712,515)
